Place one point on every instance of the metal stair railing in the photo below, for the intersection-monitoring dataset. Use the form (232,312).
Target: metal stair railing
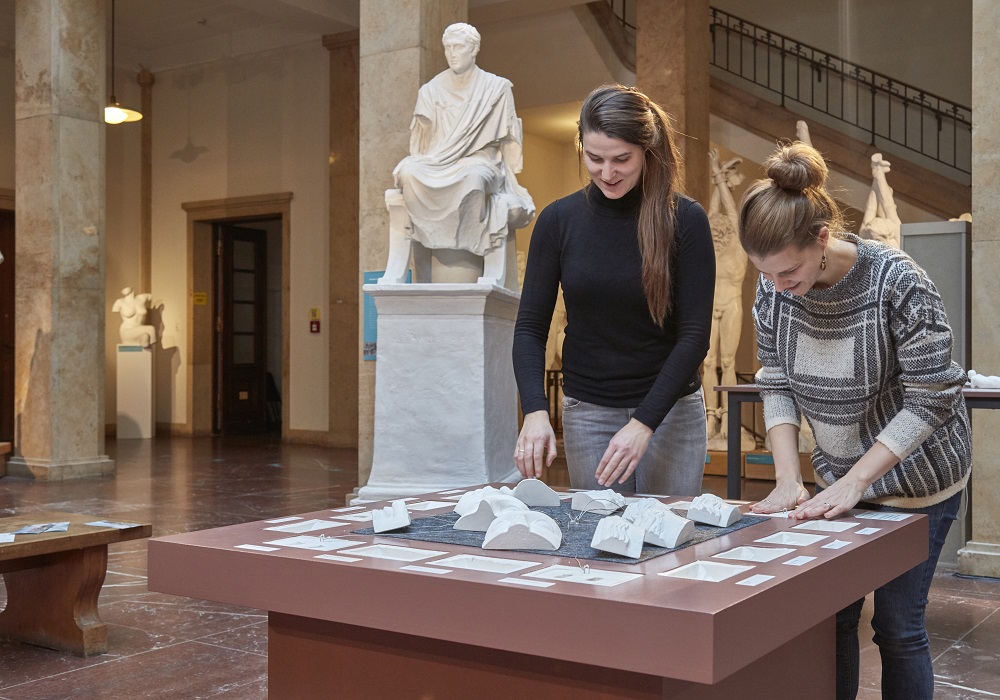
(874,106)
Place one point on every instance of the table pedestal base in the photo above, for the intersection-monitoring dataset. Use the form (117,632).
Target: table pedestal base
(52,600)
(310,658)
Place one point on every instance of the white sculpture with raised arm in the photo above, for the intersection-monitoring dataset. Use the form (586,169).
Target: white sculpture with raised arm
(881,222)
(727,310)
(523,529)
(133,308)
(458,190)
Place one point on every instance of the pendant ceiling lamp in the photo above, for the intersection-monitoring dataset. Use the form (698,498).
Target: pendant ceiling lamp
(114,113)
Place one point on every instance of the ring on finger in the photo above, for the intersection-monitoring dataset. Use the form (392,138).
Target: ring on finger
(828,505)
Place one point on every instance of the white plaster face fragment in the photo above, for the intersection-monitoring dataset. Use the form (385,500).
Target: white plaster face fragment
(603,502)
(523,529)
(470,500)
(488,509)
(392,517)
(617,535)
(533,492)
(662,527)
(712,510)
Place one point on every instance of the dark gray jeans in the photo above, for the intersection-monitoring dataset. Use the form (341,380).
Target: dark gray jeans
(673,464)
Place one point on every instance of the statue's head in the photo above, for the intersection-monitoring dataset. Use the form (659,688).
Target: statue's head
(461,44)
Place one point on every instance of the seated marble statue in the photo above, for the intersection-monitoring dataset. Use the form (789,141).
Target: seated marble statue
(133,330)
(457,189)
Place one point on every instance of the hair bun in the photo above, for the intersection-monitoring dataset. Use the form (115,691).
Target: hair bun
(797,167)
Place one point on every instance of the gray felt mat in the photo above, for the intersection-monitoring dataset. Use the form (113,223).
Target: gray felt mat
(576,537)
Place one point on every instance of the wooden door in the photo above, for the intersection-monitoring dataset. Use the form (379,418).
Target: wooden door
(241,330)
(7,307)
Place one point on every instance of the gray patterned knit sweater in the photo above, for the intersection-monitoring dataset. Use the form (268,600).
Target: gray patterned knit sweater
(864,360)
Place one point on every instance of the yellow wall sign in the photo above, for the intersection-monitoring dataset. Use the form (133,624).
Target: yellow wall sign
(313,314)
(200,298)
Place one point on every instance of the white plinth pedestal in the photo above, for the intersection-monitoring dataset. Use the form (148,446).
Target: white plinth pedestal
(135,392)
(445,397)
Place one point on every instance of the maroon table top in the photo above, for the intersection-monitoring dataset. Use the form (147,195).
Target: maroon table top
(671,627)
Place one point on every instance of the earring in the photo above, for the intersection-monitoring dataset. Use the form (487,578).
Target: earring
(822,262)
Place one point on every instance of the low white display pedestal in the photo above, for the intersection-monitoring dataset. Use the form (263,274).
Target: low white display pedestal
(445,397)
(135,392)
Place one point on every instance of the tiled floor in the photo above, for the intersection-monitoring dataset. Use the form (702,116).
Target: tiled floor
(167,647)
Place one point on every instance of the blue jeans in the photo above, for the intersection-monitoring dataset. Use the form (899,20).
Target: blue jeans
(898,621)
(674,461)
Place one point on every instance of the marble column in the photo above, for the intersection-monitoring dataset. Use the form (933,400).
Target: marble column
(981,555)
(672,54)
(59,148)
(343,314)
(400,50)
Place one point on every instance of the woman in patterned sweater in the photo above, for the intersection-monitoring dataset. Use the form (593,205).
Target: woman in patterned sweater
(852,334)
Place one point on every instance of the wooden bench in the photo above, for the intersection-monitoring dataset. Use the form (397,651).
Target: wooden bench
(54,579)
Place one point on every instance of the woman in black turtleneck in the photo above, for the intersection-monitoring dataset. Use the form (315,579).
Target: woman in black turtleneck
(637,268)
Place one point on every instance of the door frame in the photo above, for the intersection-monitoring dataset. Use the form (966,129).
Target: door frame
(201,216)
(7,198)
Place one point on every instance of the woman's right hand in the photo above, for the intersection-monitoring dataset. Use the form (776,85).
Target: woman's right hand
(536,445)
(786,496)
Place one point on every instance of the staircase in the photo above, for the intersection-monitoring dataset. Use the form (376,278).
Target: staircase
(763,82)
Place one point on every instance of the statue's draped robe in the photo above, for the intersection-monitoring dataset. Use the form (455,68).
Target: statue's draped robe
(459,183)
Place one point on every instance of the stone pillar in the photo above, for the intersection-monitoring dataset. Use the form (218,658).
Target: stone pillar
(400,50)
(59,143)
(981,555)
(343,314)
(672,52)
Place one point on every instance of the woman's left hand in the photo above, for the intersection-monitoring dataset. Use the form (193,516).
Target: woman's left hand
(832,501)
(623,454)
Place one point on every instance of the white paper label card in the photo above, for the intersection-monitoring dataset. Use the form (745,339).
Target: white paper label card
(836,544)
(6,537)
(754,580)
(425,569)
(283,520)
(526,582)
(306,526)
(114,525)
(257,548)
(429,505)
(347,510)
(323,544)
(826,525)
(799,561)
(894,517)
(337,557)
(575,574)
(868,530)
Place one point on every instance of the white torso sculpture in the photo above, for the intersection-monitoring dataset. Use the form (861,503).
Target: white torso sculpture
(881,222)
(132,308)
(457,190)
(727,311)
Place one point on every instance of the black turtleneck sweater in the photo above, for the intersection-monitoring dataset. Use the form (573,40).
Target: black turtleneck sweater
(613,354)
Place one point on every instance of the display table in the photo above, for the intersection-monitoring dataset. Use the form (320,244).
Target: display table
(378,617)
(54,579)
